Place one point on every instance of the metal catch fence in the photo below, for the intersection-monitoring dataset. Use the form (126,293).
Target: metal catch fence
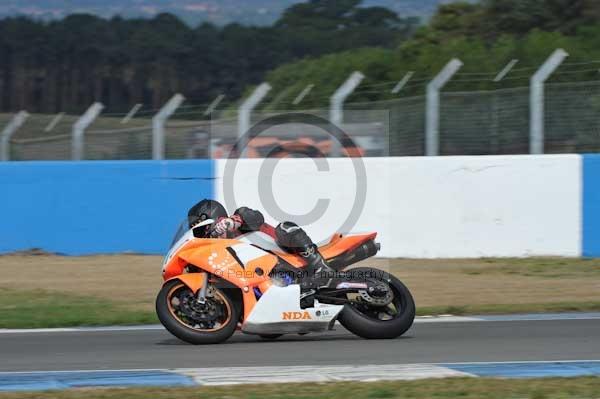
(500,121)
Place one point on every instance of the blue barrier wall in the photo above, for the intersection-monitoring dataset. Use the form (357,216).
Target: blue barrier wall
(591,206)
(78,208)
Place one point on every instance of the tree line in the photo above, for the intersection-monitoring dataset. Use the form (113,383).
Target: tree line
(484,35)
(66,65)
(492,117)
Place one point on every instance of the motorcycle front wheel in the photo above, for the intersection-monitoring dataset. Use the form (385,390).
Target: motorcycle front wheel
(211,322)
(376,322)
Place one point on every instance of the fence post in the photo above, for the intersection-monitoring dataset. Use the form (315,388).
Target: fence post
(9,130)
(158,125)
(131,113)
(536,100)
(432,119)
(504,71)
(400,85)
(214,104)
(84,121)
(245,111)
(336,104)
(57,118)
(303,94)
(495,138)
(336,113)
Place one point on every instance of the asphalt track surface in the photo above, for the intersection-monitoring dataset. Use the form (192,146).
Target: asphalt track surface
(436,342)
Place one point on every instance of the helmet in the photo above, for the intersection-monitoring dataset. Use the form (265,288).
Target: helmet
(206,209)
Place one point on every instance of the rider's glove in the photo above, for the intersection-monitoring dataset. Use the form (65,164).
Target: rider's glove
(223,226)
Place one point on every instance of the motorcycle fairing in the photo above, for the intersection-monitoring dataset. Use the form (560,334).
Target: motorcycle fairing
(278,312)
(261,240)
(337,244)
(220,258)
(174,263)
(193,280)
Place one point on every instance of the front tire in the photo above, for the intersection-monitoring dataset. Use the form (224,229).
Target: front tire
(365,326)
(174,318)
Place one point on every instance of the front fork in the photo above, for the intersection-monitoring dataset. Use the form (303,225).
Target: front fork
(201,296)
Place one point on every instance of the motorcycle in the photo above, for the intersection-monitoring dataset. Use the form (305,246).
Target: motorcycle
(214,286)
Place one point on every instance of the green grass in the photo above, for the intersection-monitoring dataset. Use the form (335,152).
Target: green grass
(539,267)
(46,309)
(555,307)
(464,388)
(42,309)
(30,307)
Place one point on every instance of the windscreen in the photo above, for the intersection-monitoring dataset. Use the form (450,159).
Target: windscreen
(181,230)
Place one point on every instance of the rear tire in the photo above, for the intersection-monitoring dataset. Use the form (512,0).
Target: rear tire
(186,333)
(366,327)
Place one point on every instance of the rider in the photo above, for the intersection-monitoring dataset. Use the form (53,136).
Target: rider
(288,235)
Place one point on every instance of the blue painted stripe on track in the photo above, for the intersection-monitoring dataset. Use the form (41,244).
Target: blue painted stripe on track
(590,218)
(35,381)
(529,369)
(38,381)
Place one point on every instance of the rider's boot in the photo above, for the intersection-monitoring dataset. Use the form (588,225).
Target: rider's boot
(316,266)
(292,237)
(318,275)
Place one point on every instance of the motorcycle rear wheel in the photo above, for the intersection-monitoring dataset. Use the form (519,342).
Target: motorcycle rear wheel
(364,321)
(173,318)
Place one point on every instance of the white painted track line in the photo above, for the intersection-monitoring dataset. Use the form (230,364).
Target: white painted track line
(419,319)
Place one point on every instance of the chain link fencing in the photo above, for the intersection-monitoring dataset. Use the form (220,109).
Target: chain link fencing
(484,122)
(471,123)
(572,117)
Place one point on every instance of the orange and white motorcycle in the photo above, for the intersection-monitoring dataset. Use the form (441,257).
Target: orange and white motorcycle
(214,286)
